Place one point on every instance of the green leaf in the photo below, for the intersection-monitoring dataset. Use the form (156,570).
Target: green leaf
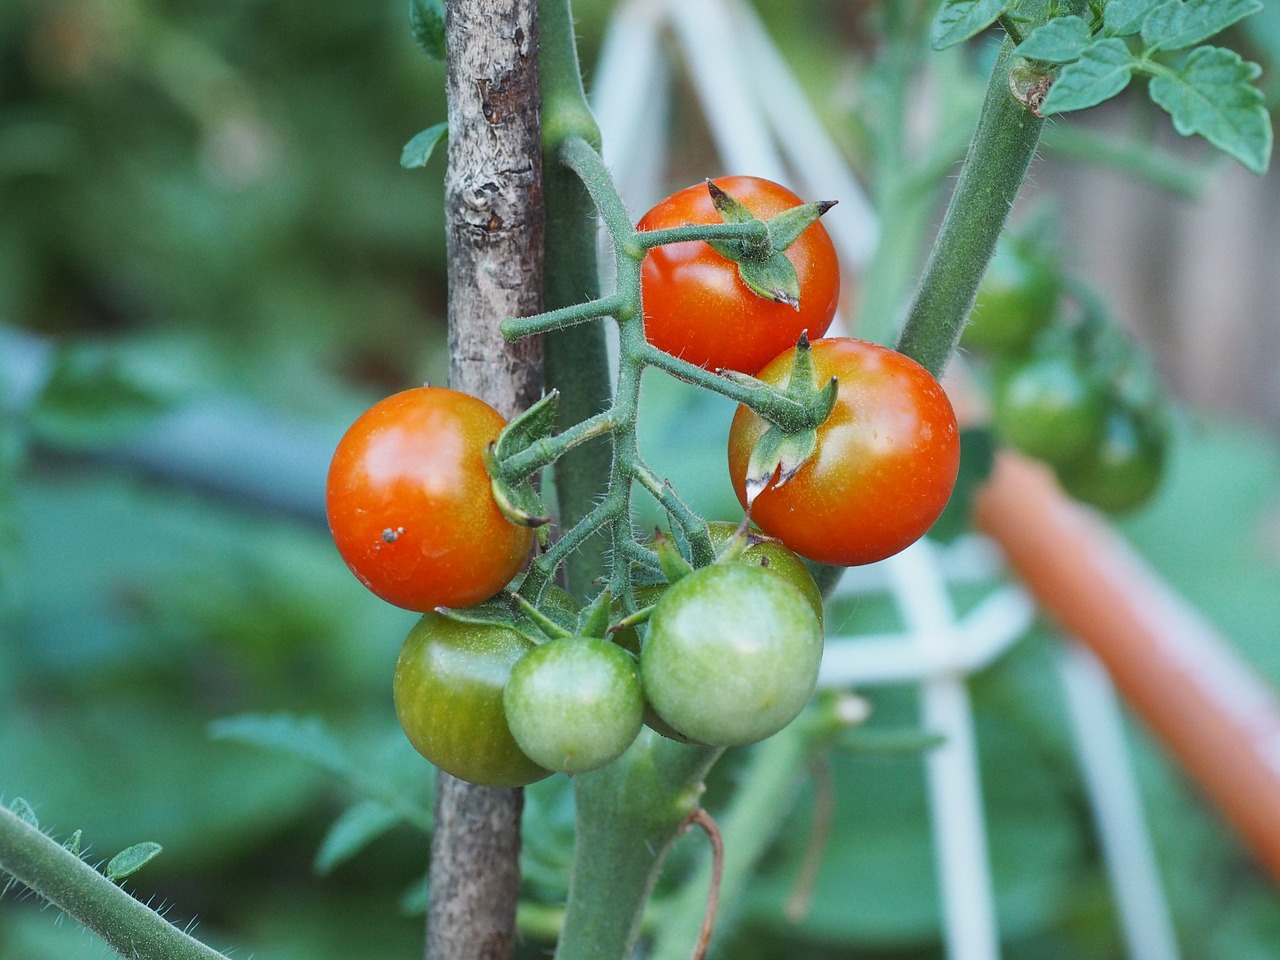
(1103,70)
(958,20)
(1174,24)
(92,397)
(306,738)
(534,424)
(418,151)
(132,859)
(426,19)
(1123,18)
(1212,95)
(1059,40)
(357,827)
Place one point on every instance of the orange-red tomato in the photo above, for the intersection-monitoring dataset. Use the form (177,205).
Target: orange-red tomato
(697,307)
(410,504)
(885,464)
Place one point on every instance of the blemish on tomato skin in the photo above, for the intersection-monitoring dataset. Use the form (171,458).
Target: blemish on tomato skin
(391,536)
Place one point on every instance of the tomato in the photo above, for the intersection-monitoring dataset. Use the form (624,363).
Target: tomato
(1050,408)
(697,307)
(732,654)
(1124,468)
(769,553)
(574,704)
(410,504)
(448,687)
(885,464)
(1017,299)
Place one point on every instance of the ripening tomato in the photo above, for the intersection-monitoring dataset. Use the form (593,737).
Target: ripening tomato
(697,307)
(448,686)
(410,504)
(885,464)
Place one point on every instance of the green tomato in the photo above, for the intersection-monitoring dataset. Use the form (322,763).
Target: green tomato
(448,688)
(1050,408)
(732,654)
(574,704)
(1017,299)
(773,555)
(1124,468)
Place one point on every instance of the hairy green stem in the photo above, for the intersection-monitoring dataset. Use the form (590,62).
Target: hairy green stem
(629,814)
(516,328)
(755,230)
(59,876)
(1003,146)
(543,452)
(693,526)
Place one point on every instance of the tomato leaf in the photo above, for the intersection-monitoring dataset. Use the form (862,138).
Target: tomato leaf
(1176,24)
(132,859)
(306,738)
(1212,94)
(530,426)
(1123,18)
(418,151)
(1103,70)
(1058,41)
(426,20)
(958,20)
(358,826)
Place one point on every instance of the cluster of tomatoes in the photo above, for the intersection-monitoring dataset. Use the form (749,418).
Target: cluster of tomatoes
(1072,392)
(503,693)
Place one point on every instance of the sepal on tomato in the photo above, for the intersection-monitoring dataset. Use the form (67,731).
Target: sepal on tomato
(777,458)
(762,264)
(594,619)
(527,428)
(519,502)
(674,565)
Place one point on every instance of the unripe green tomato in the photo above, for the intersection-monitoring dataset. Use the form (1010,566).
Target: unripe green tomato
(1050,408)
(1017,299)
(448,688)
(773,555)
(1124,468)
(574,704)
(732,654)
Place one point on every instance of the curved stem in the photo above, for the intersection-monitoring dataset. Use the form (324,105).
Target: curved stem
(543,452)
(59,876)
(694,527)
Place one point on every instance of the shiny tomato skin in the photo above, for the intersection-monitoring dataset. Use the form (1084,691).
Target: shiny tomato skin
(697,307)
(448,686)
(410,505)
(885,465)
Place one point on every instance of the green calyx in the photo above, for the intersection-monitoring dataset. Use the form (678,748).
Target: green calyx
(762,264)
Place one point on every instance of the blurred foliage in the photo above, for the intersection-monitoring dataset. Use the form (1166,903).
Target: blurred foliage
(201,197)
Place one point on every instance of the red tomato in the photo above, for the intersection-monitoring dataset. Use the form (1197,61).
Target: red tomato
(410,505)
(885,464)
(697,307)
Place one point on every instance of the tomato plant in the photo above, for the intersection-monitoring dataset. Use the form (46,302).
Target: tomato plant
(410,505)
(574,704)
(732,654)
(448,687)
(771,554)
(698,308)
(885,463)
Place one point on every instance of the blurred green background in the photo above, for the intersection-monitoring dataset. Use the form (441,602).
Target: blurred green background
(200,203)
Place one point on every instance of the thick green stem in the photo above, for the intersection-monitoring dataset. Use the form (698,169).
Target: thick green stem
(576,361)
(629,814)
(999,156)
(59,876)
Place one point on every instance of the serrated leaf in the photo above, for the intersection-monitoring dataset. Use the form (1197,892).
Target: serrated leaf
(1123,18)
(958,20)
(1175,24)
(132,859)
(1059,40)
(1103,70)
(24,812)
(304,737)
(418,151)
(1212,94)
(426,20)
(357,827)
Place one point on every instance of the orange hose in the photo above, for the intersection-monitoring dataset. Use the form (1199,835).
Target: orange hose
(1213,711)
